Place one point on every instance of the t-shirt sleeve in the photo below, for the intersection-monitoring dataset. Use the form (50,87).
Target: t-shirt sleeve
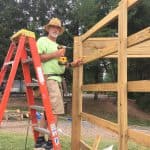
(40,46)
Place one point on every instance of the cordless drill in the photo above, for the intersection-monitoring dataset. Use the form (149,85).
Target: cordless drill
(62,60)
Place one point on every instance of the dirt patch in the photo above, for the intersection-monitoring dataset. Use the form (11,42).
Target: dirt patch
(103,106)
(108,106)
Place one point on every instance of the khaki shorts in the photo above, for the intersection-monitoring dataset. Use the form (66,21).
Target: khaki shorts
(56,99)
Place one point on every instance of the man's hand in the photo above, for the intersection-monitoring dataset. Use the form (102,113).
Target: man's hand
(60,53)
(77,62)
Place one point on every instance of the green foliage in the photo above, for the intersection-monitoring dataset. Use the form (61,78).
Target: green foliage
(11,20)
(144,102)
(139,17)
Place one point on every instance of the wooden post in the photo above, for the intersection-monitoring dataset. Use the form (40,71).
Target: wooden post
(122,76)
(77,96)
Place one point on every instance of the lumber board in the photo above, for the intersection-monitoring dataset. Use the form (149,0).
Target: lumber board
(77,96)
(101,42)
(132,86)
(138,46)
(140,50)
(139,37)
(84,146)
(139,86)
(139,137)
(96,142)
(91,45)
(100,54)
(100,87)
(122,75)
(100,122)
(111,16)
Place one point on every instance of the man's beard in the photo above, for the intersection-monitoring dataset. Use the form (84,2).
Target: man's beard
(54,35)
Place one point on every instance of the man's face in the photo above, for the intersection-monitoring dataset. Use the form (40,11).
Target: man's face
(54,31)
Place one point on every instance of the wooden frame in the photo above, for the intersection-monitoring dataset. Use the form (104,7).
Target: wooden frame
(121,48)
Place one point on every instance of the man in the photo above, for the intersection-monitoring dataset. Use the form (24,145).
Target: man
(50,54)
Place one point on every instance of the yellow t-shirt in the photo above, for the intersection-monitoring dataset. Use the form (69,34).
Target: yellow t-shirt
(45,46)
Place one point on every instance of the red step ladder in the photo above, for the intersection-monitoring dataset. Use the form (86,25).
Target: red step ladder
(24,44)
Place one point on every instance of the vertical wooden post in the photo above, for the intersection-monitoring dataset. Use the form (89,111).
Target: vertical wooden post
(122,76)
(77,97)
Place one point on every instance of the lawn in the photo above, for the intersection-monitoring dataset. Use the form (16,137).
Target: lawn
(13,141)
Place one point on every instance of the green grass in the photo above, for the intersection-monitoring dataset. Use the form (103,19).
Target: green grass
(13,141)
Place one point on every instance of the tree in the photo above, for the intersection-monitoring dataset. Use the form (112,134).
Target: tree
(11,20)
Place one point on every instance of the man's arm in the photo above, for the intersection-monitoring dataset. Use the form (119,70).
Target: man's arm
(49,56)
(75,63)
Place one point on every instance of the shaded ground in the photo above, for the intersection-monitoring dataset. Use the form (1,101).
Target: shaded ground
(64,128)
(104,105)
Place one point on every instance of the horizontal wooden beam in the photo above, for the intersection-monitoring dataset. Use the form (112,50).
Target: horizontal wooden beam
(100,122)
(140,50)
(111,16)
(100,54)
(84,146)
(139,137)
(91,45)
(133,86)
(139,86)
(139,37)
(138,46)
(130,56)
(101,42)
(100,87)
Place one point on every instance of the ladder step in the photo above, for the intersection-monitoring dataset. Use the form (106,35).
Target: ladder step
(32,84)
(28,60)
(42,130)
(8,63)
(38,108)
(28,50)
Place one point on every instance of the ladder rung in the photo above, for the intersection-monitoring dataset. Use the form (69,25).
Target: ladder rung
(39,108)
(32,84)
(8,63)
(27,60)
(42,130)
(27,49)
